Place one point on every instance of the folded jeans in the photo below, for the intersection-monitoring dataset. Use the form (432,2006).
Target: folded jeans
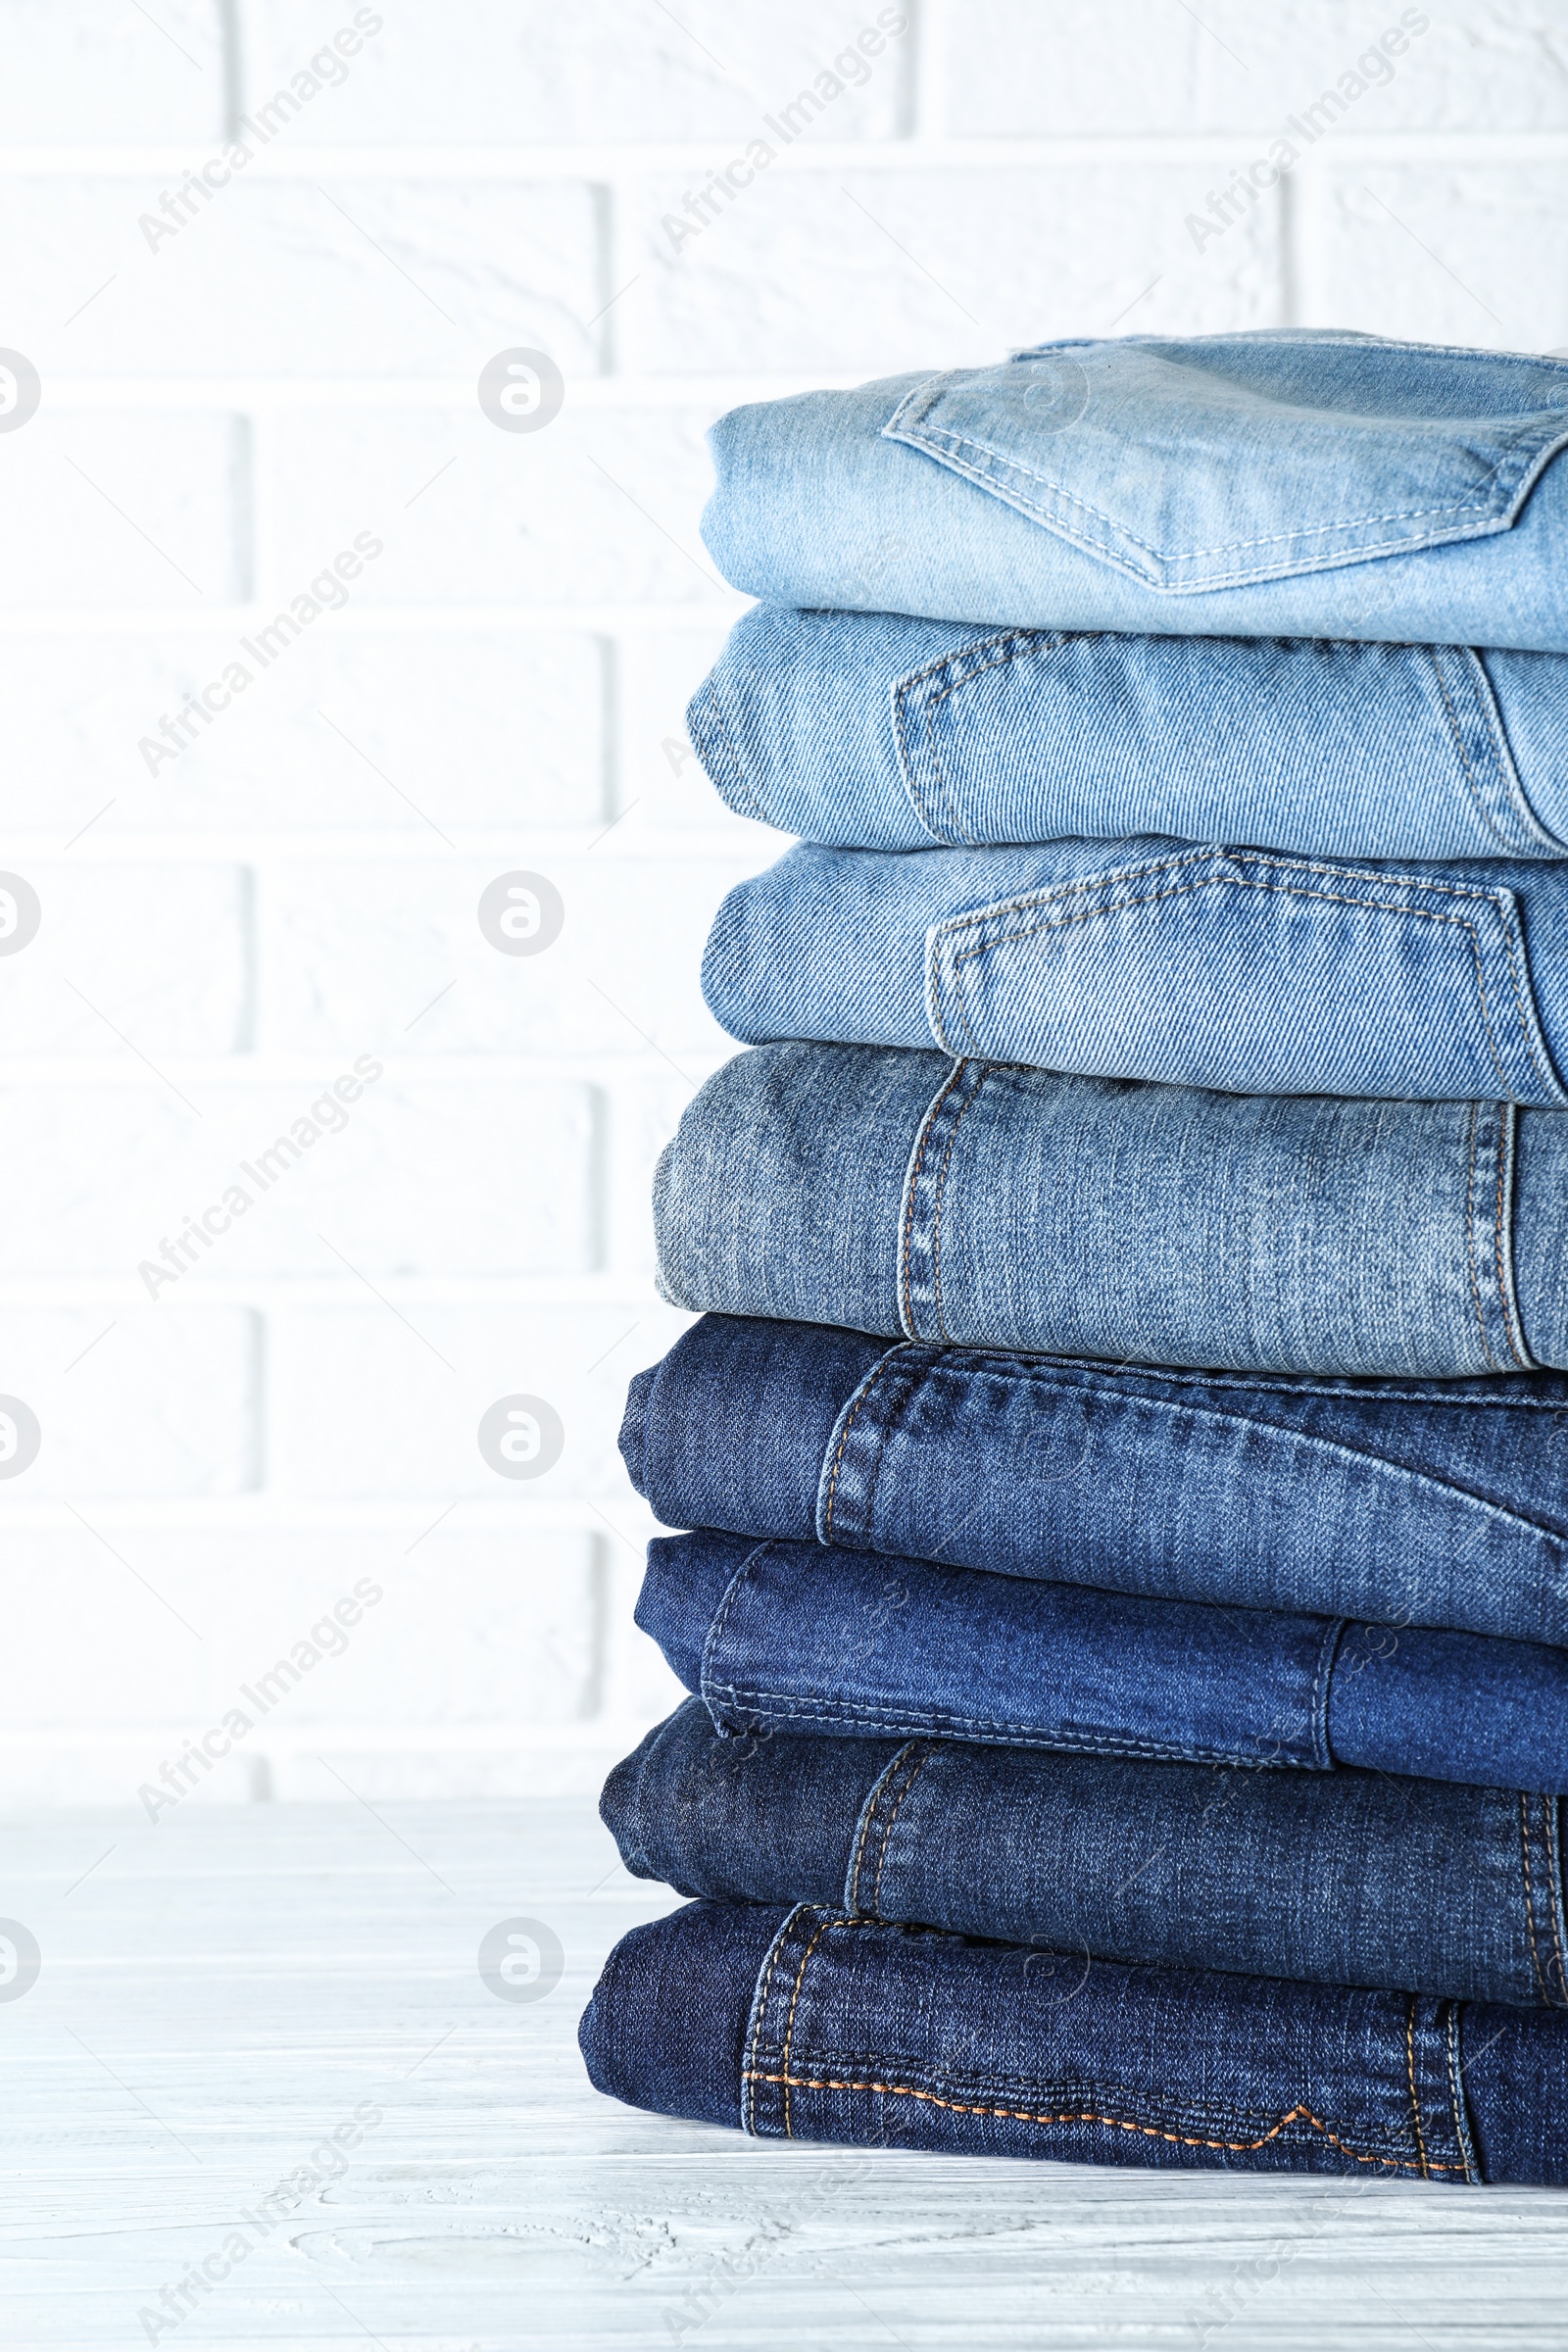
(1342,1877)
(778,1636)
(1407,1502)
(1238,970)
(975,1203)
(1293,482)
(876,731)
(810,2023)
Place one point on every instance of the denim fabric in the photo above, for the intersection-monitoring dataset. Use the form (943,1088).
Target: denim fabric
(1285,484)
(898,1192)
(787,1637)
(1413,1503)
(1342,1877)
(873,731)
(1232,968)
(810,2025)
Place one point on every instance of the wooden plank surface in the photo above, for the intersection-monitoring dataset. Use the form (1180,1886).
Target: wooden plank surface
(223,1991)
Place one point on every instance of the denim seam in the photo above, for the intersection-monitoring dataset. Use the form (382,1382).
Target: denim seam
(1513,1327)
(1554,1893)
(1037,1363)
(1023,2114)
(860,1397)
(956,925)
(1476,503)
(935,1723)
(1518,798)
(1461,2122)
(1322,1684)
(736,770)
(731,1589)
(941,1193)
(1007,649)
(1535,835)
(1415,2097)
(1510,456)
(759,2013)
(1530,1894)
(912,1184)
(1470,1237)
(915,1771)
(851,1879)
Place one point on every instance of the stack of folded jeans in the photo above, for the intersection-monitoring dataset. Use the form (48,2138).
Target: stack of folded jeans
(1125,1439)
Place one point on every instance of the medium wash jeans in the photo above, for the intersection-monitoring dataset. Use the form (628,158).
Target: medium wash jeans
(1232,969)
(1406,1502)
(873,731)
(970,1201)
(790,1638)
(1343,1877)
(811,2024)
(1293,483)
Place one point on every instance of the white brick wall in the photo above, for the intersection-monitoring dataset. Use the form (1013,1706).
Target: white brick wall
(225,407)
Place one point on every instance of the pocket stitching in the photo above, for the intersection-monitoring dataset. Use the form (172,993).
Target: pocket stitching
(1281,889)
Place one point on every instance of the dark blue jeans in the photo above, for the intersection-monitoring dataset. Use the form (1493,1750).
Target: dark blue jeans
(787,1637)
(811,2024)
(1342,1877)
(978,1203)
(1410,1502)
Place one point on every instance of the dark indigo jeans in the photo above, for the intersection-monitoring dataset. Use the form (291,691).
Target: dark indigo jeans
(873,731)
(902,1194)
(1341,1878)
(792,1637)
(811,2024)
(1411,1502)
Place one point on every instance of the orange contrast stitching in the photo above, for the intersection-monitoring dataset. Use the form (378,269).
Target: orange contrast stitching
(822,1926)
(1024,2115)
(1415,2102)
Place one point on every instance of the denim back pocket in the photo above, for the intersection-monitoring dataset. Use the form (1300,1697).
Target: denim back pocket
(1255,974)
(1210,463)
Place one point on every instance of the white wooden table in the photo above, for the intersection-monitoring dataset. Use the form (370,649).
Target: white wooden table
(223,1990)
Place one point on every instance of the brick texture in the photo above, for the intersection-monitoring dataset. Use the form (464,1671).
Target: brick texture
(260,254)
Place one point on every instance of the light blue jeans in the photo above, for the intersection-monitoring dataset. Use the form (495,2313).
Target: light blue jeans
(921,1199)
(1294,483)
(1243,969)
(869,730)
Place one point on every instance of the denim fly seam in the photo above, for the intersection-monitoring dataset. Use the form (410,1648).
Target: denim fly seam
(1540,1849)
(984,965)
(793,2064)
(852,1460)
